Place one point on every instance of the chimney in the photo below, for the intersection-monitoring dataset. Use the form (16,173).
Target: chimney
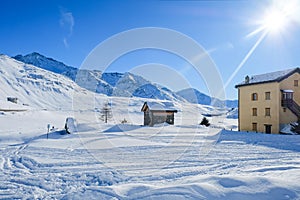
(247,79)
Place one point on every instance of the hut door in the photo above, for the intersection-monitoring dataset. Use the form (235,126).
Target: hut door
(147,118)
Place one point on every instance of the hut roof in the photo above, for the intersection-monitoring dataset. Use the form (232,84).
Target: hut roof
(158,106)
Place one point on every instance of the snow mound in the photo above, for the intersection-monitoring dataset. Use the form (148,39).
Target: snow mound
(71,125)
(289,129)
(233,114)
(122,128)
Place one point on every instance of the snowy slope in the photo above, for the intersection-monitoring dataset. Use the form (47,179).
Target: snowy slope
(89,79)
(112,78)
(35,87)
(194,96)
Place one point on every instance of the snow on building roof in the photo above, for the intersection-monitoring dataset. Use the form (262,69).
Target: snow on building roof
(269,77)
(288,91)
(169,106)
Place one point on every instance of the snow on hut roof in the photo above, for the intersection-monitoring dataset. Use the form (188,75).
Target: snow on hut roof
(169,106)
(269,77)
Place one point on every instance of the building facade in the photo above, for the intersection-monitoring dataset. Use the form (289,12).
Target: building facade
(268,102)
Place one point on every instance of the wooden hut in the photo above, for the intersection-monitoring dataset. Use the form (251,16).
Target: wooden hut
(157,113)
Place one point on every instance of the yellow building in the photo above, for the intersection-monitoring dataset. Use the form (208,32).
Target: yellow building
(268,102)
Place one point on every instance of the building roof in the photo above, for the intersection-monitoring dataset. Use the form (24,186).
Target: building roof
(269,77)
(158,106)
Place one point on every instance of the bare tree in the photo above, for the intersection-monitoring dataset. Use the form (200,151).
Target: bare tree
(105,112)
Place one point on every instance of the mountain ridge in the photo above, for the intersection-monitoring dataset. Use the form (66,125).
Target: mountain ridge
(193,95)
(120,84)
(108,83)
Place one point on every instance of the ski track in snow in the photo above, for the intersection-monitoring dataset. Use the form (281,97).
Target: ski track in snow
(38,180)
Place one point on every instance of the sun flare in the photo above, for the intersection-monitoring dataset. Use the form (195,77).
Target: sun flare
(278,17)
(275,20)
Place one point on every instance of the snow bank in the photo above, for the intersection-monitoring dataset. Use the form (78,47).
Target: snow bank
(122,128)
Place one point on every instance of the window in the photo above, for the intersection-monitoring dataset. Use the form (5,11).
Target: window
(254,96)
(268,112)
(254,127)
(254,111)
(268,95)
(296,83)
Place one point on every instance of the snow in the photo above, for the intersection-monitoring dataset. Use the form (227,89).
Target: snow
(70,125)
(161,106)
(289,91)
(36,87)
(288,128)
(273,76)
(112,78)
(108,83)
(120,161)
(39,60)
(9,106)
(130,161)
(194,96)
(234,113)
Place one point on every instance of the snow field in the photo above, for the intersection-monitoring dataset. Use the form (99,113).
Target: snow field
(129,161)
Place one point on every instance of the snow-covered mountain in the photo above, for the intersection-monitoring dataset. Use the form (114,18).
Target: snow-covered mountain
(120,84)
(36,87)
(111,84)
(194,96)
(41,61)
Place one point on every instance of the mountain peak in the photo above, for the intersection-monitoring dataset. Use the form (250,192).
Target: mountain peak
(31,55)
(44,62)
(192,95)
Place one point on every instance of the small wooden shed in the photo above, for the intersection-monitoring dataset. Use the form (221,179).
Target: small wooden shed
(157,113)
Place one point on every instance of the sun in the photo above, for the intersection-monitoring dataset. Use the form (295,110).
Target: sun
(275,21)
(278,17)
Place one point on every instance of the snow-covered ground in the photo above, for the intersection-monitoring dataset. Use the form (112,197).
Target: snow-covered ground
(130,161)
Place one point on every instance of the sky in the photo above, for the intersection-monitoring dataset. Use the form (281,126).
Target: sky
(239,36)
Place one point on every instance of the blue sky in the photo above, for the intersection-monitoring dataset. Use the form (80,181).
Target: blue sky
(69,30)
